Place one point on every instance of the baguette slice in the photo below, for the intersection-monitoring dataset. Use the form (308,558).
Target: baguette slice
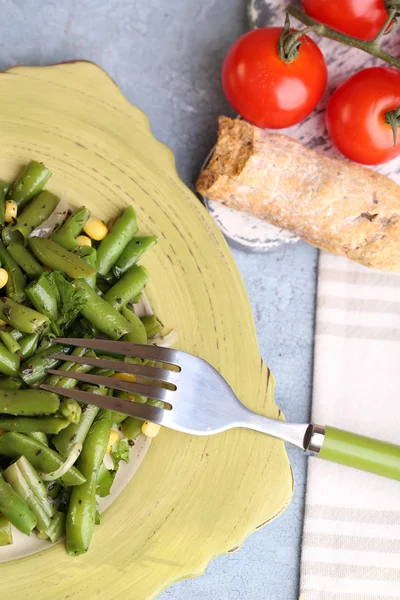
(333,204)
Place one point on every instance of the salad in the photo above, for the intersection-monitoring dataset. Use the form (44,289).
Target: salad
(64,274)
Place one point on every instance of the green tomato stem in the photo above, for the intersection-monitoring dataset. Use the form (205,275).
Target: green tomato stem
(392,117)
(371,48)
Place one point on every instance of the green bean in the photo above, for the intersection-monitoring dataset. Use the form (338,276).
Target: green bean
(137,333)
(121,233)
(10,383)
(20,485)
(133,252)
(58,258)
(28,345)
(32,425)
(2,206)
(17,335)
(53,489)
(82,507)
(69,382)
(35,368)
(56,529)
(39,436)
(21,317)
(36,484)
(100,314)
(102,285)
(131,428)
(152,325)
(9,362)
(10,343)
(44,295)
(42,458)
(28,402)
(70,410)
(29,183)
(75,432)
(15,286)
(72,227)
(88,254)
(15,509)
(5,532)
(36,213)
(25,260)
(127,287)
(4,186)
(117,418)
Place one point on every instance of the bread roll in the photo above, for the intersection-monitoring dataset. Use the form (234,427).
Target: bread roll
(333,204)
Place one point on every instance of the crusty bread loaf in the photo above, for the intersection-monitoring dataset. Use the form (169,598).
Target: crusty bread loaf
(333,204)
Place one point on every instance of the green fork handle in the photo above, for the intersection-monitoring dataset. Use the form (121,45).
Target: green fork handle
(360,452)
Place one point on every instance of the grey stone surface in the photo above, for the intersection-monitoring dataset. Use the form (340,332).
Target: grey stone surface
(166,57)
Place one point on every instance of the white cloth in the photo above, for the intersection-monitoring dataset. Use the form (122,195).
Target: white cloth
(351,543)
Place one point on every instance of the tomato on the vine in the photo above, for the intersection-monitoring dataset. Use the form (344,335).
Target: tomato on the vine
(267,90)
(362,19)
(362,116)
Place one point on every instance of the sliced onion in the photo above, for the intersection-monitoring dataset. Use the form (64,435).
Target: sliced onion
(166,341)
(53,221)
(143,308)
(65,467)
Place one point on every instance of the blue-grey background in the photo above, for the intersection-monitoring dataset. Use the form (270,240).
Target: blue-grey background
(166,57)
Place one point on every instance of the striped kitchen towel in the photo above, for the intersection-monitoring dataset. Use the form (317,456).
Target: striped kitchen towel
(351,544)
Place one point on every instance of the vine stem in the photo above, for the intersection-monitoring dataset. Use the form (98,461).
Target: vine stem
(324,31)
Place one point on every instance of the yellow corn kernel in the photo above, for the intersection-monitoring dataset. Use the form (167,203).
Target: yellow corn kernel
(95,229)
(114,437)
(2,322)
(83,240)
(10,211)
(3,278)
(150,430)
(124,376)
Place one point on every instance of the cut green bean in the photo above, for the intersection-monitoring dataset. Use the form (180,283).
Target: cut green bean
(43,294)
(70,409)
(4,187)
(53,488)
(112,246)
(28,345)
(20,485)
(58,258)
(22,317)
(5,532)
(39,436)
(56,529)
(133,252)
(8,340)
(10,383)
(28,402)
(36,213)
(36,484)
(152,325)
(2,205)
(15,286)
(82,507)
(29,183)
(29,425)
(42,458)
(137,333)
(72,227)
(70,367)
(17,335)
(131,284)
(35,368)
(89,255)
(9,362)
(25,260)
(13,507)
(131,428)
(100,314)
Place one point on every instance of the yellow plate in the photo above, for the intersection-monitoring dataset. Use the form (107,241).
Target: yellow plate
(192,498)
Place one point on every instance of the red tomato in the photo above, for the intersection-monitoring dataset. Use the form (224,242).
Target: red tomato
(360,18)
(356,116)
(263,88)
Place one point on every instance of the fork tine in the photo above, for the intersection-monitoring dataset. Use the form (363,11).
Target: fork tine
(126,348)
(133,409)
(116,384)
(144,370)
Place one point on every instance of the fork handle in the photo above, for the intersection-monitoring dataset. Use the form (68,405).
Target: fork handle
(357,451)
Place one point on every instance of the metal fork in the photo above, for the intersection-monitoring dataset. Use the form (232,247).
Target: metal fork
(197,400)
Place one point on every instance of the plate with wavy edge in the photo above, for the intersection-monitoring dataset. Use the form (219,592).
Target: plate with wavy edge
(191,498)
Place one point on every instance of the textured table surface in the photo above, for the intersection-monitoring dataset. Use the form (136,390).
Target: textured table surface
(166,57)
